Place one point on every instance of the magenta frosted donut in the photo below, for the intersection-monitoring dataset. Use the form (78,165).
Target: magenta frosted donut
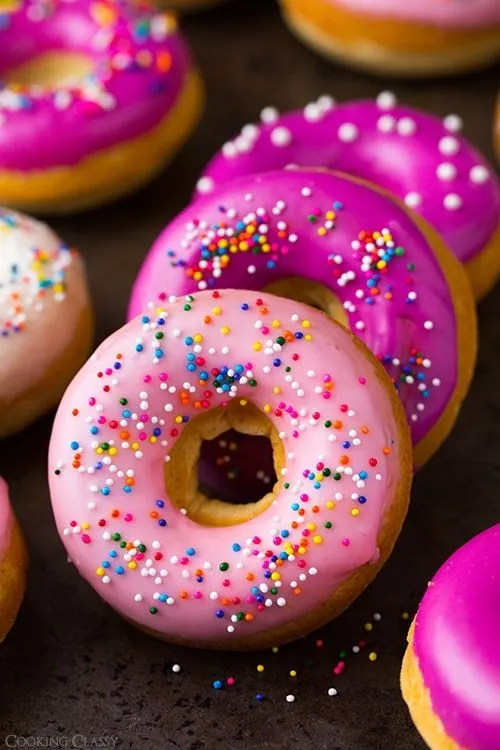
(358,244)
(136,98)
(420,158)
(451,671)
(246,577)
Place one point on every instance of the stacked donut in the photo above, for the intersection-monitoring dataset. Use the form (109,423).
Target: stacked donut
(370,348)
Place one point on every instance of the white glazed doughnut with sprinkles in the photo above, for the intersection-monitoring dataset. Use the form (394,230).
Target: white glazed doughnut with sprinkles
(45,318)
(122,478)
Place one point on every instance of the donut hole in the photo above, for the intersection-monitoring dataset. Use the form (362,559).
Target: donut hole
(312,293)
(52,69)
(182,473)
(237,468)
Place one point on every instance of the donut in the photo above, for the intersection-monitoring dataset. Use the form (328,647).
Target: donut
(206,572)
(13,563)
(420,158)
(451,669)
(46,321)
(337,243)
(388,37)
(97,96)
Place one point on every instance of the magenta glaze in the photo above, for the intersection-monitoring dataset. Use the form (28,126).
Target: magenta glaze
(6,519)
(420,158)
(419,317)
(457,645)
(128,94)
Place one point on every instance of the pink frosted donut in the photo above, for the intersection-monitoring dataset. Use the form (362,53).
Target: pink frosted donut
(98,95)
(451,670)
(421,159)
(398,289)
(275,569)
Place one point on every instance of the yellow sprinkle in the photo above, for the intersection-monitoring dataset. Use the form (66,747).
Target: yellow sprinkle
(317,539)
(178,420)
(330,504)
(355,512)
(152,439)
(322,231)
(135,446)
(373,656)
(257,346)
(100,572)
(276,324)
(85,526)
(113,451)
(311,526)
(405,616)
(197,338)
(275,576)
(301,550)
(216,310)
(260,667)
(276,389)
(243,402)
(293,673)
(330,215)
(368,626)
(275,649)
(306,323)
(267,408)
(132,565)
(225,330)
(308,337)
(99,451)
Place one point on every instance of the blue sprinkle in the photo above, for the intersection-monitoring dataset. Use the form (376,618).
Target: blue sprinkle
(74,445)
(120,570)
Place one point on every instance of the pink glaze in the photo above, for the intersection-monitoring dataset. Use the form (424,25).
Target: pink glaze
(457,646)
(420,158)
(443,13)
(99,445)
(404,312)
(5,519)
(141,65)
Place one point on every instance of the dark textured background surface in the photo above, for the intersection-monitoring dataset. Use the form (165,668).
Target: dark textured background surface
(71,666)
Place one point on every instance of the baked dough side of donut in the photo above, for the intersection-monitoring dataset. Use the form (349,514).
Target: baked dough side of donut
(389,46)
(12,579)
(419,703)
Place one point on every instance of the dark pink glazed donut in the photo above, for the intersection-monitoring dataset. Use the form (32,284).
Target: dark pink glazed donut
(451,671)
(420,158)
(401,291)
(54,139)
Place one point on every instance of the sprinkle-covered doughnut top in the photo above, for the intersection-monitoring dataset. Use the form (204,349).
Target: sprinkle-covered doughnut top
(456,643)
(332,230)
(445,13)
(420,158)
(42,295)
(141,64)
(5,518)
(33,265)
(123,413)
